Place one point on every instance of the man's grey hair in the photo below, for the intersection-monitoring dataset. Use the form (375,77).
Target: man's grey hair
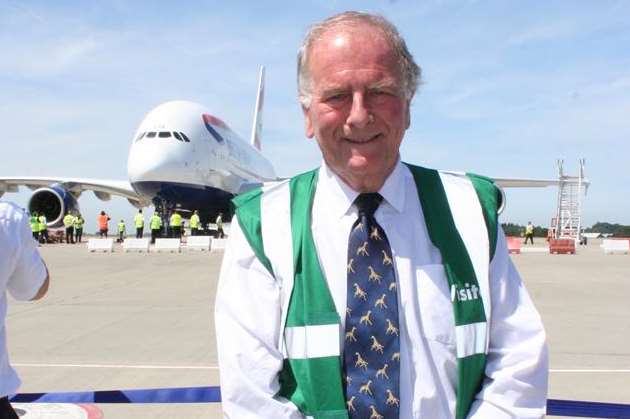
(410,72)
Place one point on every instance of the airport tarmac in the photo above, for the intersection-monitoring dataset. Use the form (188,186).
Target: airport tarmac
(127,320)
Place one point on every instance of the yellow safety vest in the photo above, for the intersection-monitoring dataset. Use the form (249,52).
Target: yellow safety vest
(139,220)
(176,220)
(194,221)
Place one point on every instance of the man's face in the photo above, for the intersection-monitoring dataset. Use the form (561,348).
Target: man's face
(358,111)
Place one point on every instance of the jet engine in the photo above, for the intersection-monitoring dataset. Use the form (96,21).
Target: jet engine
(53,201)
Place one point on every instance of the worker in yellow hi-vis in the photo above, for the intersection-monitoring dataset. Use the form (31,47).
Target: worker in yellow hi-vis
(194,224)
(122,229)
(176,225)
(139,222)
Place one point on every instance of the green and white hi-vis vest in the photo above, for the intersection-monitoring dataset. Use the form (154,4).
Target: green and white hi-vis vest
(280,213)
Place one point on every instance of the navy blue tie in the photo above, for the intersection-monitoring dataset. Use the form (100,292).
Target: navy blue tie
(372,346)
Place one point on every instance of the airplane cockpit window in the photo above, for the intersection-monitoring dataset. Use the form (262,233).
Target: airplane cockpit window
(151,134)
(140,136)
(184,137)
(179,137)
(164,134)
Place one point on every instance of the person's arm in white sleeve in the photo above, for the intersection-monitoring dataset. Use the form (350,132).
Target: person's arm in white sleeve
(517,365)
(247,320)
(29,279)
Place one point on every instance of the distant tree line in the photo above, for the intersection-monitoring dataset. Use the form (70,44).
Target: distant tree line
(517,230)
(617,230)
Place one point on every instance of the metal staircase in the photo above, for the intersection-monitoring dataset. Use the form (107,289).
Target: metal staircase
(567,224)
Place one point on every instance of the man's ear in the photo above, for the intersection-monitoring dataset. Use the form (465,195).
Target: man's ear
(308,124)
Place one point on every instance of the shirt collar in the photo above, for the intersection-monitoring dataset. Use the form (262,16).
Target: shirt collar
(393,190)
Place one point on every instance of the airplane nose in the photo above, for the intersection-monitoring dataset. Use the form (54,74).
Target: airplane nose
(154,162)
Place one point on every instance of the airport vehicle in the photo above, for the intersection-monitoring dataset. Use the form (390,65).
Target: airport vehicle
(181,157)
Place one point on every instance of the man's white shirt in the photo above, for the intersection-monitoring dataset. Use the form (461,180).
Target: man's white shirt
(248,317)
(22,273)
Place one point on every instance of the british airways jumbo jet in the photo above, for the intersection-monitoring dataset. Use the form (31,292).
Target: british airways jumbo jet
(181,157)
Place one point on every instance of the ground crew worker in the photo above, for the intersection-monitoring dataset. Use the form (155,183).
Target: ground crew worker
(68,223)
(219,223)
(43,229)
(139,222)
(529,233)
(176,225)
(122,229)
(156,225)
(194,224)
(78,228)
(103,227)
(34,226)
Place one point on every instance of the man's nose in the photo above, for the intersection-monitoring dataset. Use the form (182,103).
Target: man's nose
(359,115)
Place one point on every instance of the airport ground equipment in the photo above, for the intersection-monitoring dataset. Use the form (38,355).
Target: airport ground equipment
(611,246)
(103,245)
(514,245)
(138,245)
(568,220)
(167,245)
(198,243)
(562,246)
(218,244)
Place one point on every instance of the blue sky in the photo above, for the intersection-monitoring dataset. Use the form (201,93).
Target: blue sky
(509,87)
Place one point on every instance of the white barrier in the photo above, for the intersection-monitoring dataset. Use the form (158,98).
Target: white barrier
(612,246)
(218,244)
(105,245)
(198,243)
(140,245)
(168,245)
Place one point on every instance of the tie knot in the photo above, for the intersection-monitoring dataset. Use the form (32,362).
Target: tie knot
(367,203)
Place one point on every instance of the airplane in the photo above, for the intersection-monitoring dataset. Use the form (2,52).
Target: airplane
(184,158)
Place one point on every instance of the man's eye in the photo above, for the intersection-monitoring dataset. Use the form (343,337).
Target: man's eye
(336,97)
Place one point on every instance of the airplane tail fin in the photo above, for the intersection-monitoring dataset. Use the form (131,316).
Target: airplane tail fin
(260,98)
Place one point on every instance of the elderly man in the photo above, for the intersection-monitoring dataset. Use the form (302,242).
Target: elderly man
(369,288)
(24,275)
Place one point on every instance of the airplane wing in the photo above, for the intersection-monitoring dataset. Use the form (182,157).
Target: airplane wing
(538,183)
(103,189)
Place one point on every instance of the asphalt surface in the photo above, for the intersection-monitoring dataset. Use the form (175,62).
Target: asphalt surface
(128,321)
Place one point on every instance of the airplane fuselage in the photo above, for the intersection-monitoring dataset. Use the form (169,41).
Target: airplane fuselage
(185,158)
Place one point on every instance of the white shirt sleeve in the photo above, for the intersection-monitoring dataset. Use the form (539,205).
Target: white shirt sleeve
(29,272)
(517,365)
(247,319)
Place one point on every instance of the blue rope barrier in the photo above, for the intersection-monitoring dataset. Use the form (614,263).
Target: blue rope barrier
(582,409)
(157,395)
(212,394)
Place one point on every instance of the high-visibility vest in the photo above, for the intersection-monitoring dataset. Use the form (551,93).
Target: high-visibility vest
(102,221)
(68,220)
(42,223)
(194,221)
(176,220)
(139,220)
(78,222)
(156,222)
(34,224)
(121,227)
(308,311)
(219,222)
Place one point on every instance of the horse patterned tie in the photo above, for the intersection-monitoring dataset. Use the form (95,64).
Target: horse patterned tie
(371,348)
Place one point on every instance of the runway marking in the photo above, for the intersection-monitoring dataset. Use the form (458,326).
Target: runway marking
(140,367)
(622,371)
(216,367)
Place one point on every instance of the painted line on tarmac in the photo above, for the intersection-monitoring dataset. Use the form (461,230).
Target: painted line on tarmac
(215,367)
(589,371)
(140,367)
